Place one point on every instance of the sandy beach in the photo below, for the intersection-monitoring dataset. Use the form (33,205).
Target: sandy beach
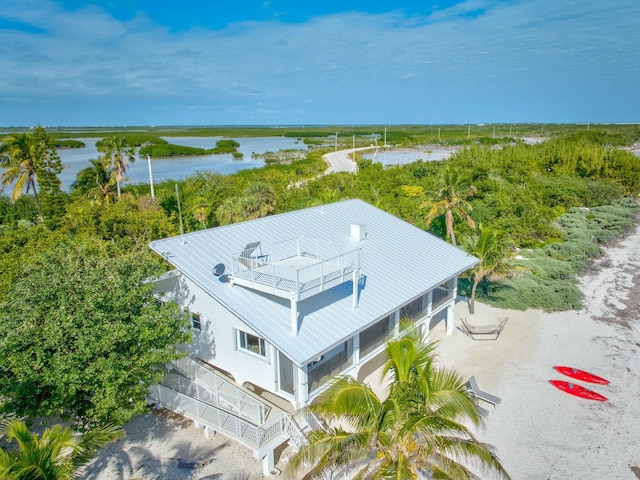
(539,432)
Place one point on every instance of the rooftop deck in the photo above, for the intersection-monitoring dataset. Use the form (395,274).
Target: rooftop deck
(298,267)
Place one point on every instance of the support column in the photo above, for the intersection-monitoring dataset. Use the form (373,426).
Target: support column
(356,284)
(302,392)
(268,464)
(450,319)
(294,313)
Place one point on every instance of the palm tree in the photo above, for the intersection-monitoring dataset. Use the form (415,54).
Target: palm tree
(201,211)
(494,254)
(96,181)
(259,201)
(53,456)
(453,189)
(119,155)
(18,159)
(418,431)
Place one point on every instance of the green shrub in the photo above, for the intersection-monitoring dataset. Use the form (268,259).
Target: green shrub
(170,150)
(227,143)
(59,143)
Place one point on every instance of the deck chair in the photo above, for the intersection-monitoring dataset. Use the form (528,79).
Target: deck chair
(482,332)
(249,259)
(478,394)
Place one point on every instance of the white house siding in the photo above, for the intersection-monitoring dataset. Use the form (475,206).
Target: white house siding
(215,343)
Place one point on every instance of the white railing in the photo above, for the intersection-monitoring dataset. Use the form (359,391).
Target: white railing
(306,417)
(256,437)
(227,394)
(327,270)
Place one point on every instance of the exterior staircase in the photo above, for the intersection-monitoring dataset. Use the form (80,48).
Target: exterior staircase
(196,391)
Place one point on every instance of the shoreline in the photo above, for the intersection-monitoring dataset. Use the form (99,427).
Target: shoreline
(539,431)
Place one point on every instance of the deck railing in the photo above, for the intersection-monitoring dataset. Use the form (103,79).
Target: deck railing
(227,394)
(319,264)
(257,437)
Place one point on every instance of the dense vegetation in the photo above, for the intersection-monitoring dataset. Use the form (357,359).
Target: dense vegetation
(73,264)
(59,143)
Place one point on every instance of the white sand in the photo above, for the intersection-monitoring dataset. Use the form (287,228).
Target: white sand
(161,445)
(539,432)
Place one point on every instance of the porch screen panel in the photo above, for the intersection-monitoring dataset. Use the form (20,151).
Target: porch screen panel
(440,294)
(374,336)
(330,365)
(286,374)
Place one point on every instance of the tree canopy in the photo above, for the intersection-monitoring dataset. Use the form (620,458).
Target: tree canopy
(83,334)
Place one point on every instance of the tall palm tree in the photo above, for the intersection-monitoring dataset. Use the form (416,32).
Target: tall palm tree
(453,189)
(18,159)
(119,155)
(418,431)
(53,456)
(494,254)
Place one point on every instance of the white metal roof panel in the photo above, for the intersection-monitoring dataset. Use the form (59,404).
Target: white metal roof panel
(399,263)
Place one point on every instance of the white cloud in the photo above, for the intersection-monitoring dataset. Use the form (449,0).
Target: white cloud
(337,63)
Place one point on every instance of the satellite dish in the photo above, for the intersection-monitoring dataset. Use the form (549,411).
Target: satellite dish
(218,269)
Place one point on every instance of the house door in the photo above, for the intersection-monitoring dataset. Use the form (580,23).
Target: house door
(286,376)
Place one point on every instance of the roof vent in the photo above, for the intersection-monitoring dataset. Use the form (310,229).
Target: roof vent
(358,232)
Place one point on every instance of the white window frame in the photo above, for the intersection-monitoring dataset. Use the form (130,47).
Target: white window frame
(241,344)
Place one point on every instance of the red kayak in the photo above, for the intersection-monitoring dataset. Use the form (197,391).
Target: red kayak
(581,375)
(577,390)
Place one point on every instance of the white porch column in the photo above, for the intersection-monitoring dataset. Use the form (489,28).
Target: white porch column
(268,464)
(450,318)
(395,319)
(294,313)
(451,314)
(356,280)
(302,392)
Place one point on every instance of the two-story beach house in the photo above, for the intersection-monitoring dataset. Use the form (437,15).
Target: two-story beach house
(281,304)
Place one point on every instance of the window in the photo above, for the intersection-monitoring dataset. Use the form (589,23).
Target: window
(251,343)
(374,336)
(329,365)
(412,310)
(196,322)
(440,294)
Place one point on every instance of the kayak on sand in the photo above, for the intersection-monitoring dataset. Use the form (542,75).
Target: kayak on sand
(581,375)
(577,390)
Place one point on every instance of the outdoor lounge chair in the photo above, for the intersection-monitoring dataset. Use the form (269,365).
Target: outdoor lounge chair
(478,394)
(482,332)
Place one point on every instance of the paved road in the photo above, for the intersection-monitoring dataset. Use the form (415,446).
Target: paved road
(340,162)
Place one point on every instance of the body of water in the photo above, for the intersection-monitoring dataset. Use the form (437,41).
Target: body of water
(404,156)
(177,168)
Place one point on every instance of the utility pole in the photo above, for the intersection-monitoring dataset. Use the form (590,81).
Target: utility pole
(354,140)
(385,137)
(336,149)
(150,176)
(469,131)
(179,210)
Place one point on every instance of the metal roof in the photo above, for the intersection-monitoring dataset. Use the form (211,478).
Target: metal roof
(399,263)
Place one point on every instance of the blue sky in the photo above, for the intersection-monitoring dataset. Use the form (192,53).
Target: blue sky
(208,62)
